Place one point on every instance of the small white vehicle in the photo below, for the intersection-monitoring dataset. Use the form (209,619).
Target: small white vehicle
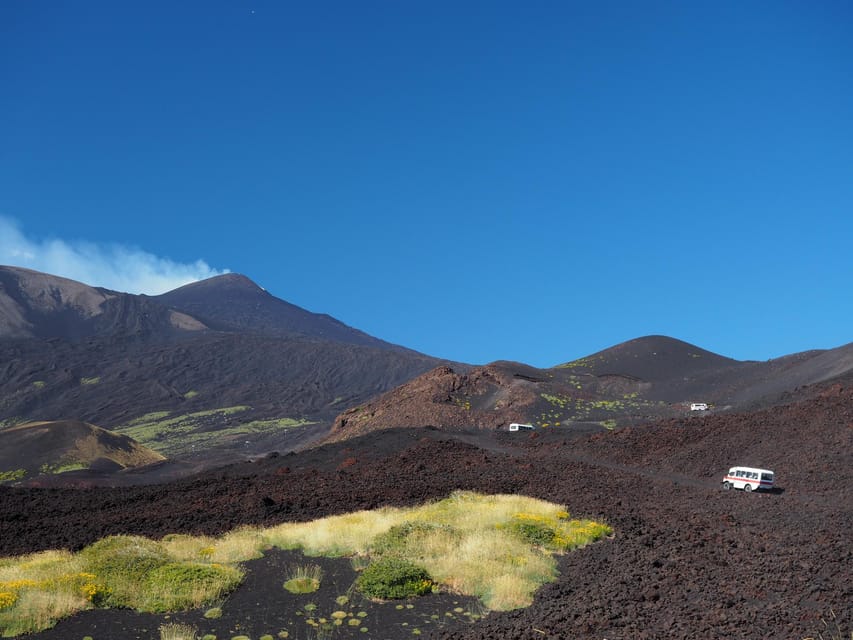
(698,406)
(517,426)
(748,479)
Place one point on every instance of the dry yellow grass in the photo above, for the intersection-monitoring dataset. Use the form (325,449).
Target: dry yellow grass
(469,543)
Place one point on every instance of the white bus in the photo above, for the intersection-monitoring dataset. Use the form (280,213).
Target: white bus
(748,479)
(517,426)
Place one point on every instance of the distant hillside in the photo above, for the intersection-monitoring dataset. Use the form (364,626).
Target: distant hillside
(221,369)
(38,305)
(39,448)
(219,363)
(232,302)
(634,382)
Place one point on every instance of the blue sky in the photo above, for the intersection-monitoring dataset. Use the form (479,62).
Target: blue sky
(530,181)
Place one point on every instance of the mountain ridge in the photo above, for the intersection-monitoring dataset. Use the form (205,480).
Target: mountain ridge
(223,363)
(248,365)
(641,380)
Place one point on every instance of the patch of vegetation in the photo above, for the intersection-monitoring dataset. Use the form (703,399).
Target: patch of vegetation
(189,395)
(463,402)
(139,573)
(572,409)
(580,363)
(147,418)
(498,548)
(39,384)
(462,546)
(11,422)
(398,538)
(12,476)
(391,578)
(176,586)
(304,579)
(62,468)
(175,631)
(90,381)
(181,434)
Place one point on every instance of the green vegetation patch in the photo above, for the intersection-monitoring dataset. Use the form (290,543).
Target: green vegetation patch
(498,548)
(62,468)
(304,579)
(393,578)
(181,434)
(581,363)
(603,410)
(90,381)
(12,476)
(141,574)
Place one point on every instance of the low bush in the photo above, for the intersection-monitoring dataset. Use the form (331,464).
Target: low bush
(176,585)
(304,579)
(138,573)
(532,531)
(123,564)
(392,578)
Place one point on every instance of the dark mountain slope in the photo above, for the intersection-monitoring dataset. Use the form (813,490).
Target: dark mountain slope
(68,350)
(110,381)
(652,359)
(232,302)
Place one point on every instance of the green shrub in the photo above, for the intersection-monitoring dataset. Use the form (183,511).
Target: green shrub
(538,533)
(183,585)
(390,578)
(138,573)
(123,564)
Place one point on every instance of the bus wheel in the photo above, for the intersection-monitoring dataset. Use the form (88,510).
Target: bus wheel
(747,488)
(727,485)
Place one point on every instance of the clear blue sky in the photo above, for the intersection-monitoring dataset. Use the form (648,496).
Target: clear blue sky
(531,181)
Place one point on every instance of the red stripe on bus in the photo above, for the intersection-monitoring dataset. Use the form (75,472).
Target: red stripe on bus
(748,480)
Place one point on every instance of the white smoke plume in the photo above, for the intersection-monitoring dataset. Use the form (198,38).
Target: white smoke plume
(113,266)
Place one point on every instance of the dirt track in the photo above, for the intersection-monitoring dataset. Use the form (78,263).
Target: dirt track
(688,560)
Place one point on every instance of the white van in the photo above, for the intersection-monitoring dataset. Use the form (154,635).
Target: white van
(698,406)
(748,479)
(517,426)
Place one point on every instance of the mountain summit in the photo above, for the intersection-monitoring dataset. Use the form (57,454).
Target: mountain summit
(232,302)
(222,363)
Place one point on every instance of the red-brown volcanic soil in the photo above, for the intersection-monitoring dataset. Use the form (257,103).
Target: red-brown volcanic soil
(688,559)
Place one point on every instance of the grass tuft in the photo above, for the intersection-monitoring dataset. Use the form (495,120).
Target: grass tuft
(304,579)
(175,631)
